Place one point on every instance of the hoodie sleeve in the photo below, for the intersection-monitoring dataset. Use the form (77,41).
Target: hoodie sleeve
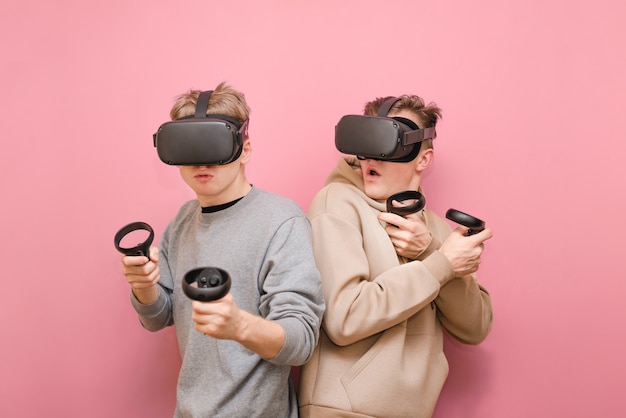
(366,288)
(464,309)
(463,305)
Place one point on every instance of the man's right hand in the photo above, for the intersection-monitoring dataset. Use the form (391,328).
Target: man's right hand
(142,273)
(463,251)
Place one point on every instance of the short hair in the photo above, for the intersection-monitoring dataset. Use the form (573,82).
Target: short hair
(427,115)
(224,100)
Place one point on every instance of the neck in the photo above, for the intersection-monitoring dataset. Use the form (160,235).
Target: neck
(235,191)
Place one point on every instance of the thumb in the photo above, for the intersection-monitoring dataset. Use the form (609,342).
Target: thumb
(154,254)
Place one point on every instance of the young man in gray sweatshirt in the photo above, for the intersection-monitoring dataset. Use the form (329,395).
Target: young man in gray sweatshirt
(237,351)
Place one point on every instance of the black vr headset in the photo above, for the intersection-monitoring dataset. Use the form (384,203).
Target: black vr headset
(380,137)
(200,139)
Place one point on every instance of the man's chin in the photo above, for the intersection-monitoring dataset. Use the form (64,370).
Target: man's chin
(375,193)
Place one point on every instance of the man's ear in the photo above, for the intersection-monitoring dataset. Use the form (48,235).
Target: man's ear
(246,152)
(424,159)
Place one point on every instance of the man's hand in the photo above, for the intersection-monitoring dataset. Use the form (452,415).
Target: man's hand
(218,319)
(464,252)
(222,319)
(409,234)
(142,273)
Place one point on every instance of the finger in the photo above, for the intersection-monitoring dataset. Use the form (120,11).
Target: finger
(391,218)
(140,260)
(140,269)
(461,231)
(416,216)
(483,235)
(401,245)
(392,230)
(399,204)
(144,278)
(207,324)
(200,319)
(154,254)
(212,307)
(477,240)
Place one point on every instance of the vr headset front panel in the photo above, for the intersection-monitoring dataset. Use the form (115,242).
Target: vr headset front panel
(371,137)
(197,142)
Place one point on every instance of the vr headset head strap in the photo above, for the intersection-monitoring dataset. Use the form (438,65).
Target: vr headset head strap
(420,135)
(416,134)
(202,104)
(386,106)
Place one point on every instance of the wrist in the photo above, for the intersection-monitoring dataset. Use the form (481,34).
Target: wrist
(430,245)
(146,295)
(243,327)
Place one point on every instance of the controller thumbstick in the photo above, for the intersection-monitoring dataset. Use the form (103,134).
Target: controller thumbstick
(212,284)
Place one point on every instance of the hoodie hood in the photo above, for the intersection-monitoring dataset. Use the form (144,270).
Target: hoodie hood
(348,170)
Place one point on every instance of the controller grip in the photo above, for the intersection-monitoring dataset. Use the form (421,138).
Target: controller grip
(212,284)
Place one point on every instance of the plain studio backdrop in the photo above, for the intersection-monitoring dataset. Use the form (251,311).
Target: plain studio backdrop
(532,141)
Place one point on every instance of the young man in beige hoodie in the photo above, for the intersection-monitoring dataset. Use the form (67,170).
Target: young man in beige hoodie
(390,282)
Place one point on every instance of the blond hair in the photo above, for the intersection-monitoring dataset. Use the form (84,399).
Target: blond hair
(224,100)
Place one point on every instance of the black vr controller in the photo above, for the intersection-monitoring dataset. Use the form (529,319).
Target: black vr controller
(416,206)
(212,283)
(143,248)
(474,224)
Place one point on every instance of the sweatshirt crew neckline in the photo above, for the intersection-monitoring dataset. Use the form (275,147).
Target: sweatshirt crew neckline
(217,208)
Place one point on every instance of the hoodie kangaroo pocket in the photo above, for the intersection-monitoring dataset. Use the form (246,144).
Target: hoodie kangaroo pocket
(399,376)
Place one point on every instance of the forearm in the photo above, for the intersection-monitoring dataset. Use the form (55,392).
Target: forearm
(266,338)
(156,315)
(146,295)
(357,309)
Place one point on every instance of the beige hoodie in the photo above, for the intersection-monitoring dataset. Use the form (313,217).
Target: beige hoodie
(380,352)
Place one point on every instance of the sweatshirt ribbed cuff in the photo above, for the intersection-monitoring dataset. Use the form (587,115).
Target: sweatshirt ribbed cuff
(151,310)
(440,267)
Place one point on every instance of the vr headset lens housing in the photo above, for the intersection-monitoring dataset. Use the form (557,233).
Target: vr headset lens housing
(200,139)
(380,137)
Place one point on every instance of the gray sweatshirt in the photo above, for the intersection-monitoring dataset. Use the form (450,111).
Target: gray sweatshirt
(264,243)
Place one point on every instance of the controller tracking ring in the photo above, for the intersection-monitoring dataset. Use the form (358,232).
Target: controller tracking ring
(420,202)
(142,248)
(474,224)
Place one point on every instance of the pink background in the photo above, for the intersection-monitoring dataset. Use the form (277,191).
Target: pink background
(532,140)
